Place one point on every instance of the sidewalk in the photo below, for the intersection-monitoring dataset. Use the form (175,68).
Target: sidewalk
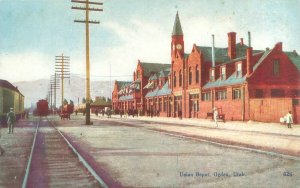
(270,137)
(269,128)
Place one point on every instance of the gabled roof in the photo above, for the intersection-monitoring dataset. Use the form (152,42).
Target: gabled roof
(153,67)
(295,58)
(165,90)
(263,57)
(153,77)
(221,54)
(8,85)
(122,84)
(164,73)
(177,30)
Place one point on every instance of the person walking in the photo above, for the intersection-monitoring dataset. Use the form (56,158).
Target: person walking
(289,119)
(216,115)
(11,118)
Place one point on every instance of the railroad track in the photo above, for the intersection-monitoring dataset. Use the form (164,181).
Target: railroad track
(54,162)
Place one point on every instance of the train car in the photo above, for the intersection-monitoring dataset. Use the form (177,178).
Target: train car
(10,97)
(42,108)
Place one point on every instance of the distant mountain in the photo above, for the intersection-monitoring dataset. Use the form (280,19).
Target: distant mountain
(74,89)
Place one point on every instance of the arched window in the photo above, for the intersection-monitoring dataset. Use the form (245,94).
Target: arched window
(197,74)
(190,76)
(174,80)
(180,78)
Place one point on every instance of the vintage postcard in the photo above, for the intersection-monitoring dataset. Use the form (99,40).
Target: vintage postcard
(138,93)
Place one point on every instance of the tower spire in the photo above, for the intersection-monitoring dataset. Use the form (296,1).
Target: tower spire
(177,30)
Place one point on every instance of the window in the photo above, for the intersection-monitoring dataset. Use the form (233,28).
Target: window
(221,95)
(197,74)
(236,94)
(295,102)
(239,70)
(277,93)
(206,96)
(180,78)
(295,93)
(190,75)
(160,104)
(174,84)
(223,73)
(165,104)
(212,75)
(137,74)
(259,93)
(276,67)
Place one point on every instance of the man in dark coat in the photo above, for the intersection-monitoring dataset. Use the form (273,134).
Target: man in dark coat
(11,119)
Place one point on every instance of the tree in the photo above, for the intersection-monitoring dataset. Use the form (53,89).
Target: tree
(83,100)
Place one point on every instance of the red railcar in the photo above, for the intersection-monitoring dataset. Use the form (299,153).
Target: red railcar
(42,108)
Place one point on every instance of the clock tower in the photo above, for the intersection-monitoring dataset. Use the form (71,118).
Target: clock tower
(177,44)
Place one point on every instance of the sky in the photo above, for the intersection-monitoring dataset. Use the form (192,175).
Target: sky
(33,32)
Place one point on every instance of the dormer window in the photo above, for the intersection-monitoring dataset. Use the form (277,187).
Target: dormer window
(239,70)
(212,75)
(223,73)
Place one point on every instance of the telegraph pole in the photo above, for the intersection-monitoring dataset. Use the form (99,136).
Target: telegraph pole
(62,69)
(54,81)
(87,21)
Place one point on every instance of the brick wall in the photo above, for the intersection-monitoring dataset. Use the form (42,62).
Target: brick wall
(272,109)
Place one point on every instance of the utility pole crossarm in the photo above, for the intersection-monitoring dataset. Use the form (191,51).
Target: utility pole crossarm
(83,21)
(90,9)
(87,2)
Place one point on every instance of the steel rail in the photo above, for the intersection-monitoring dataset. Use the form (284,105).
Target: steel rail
(82,160)
(24,184)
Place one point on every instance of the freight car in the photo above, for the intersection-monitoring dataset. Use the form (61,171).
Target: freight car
(10,97)
(42,108)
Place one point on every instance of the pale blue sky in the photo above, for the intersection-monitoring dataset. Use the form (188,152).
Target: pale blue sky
(32,32)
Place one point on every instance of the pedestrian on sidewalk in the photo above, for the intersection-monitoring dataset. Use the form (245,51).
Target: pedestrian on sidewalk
(11,119)
(289,119)
(215,115)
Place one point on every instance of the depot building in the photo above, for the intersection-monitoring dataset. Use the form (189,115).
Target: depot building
(241,82)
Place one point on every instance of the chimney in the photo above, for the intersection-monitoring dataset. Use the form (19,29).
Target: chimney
(242,42)
(249,61)
(213,63)
(231,45)
(249,39)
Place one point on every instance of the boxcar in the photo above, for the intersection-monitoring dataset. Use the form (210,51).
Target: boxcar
(10,97)
(42,108)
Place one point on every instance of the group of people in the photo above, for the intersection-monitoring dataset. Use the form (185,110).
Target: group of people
(11,119)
